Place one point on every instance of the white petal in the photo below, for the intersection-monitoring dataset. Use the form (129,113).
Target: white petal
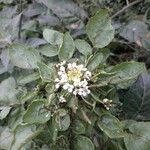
(74,65)
(57,86)
(75,92)
(60,73)
(105,100)
(70,90)
(62,68)
(62,99)
(65,86)
(57,80)
(84,93)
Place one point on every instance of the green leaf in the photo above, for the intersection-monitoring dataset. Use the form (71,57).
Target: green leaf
(15,117)
(136,100)
(67,49)
(22,80)
(63,120)
(46,72)
(23,56)
(137,32)
(6,1)
(49,50)
(52,128)
(53,37)
(78,127)
(127,73)
(5,38)
(36,113)
(24,134)
(83,143)
(4,111)
(99,29)
(8,91)
(139,137)
(6,138)
(83,47)
(95,61)
(111,126)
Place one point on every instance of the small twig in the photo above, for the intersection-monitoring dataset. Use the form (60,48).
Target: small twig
(20,21)
(126,7)
(127,1)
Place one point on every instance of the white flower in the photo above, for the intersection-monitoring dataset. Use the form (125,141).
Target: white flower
(64,78)
(57,80)
(107,103)
(81,67)
(63,63)
(69,66)
(60,73)
(62,99)
(83,83)
(76,82)
(75,92)
(74,65)
(80,91)
(70,88)
(65,86)
(62,68)
(57,85)
(73,78)
(87,74)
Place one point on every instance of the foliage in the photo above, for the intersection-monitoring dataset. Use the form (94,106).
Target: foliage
(108,52)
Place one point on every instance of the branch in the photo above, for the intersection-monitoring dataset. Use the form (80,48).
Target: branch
(126,7)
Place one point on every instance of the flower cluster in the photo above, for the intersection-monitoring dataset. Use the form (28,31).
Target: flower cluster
(107,103)
(73,78)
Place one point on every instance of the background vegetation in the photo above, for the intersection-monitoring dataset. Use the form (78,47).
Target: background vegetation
(28,49)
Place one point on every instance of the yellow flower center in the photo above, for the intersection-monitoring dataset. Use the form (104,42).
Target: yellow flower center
(74,73)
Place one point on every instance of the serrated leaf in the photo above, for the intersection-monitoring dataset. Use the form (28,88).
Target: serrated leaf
(67,49)
(111,126)
(83,143)
(36,113)
(53,37)
(83,47)
(23,56)
(99,29)
(139,137)
(127,73)
(136,100)
(23,134)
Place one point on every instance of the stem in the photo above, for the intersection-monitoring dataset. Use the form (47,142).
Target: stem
(86,117)
(126,7)
(87,102)
(127,1)
(95,76)
(20,21)
(97,85)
